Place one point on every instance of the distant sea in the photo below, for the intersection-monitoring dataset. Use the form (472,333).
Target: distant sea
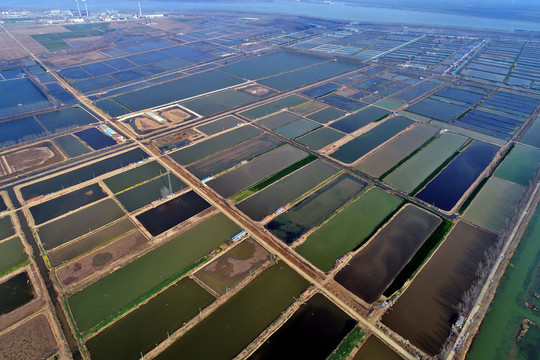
(287,7)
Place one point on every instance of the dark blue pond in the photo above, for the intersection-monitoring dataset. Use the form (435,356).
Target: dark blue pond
(321,90)
(313,332)
(95,138)
(18,130)
(77,176)
(61,205)
(445,190)
(173,212)
(65,119)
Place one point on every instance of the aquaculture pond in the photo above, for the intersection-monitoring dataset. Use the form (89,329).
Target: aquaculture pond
(72,146)
(318,139)
(286,190)
(271,64)
(140,331)
(256,170)
(16,292)
(66,119)
(112,108)
(6,227)
(272,107)
(297,128)
(134,176)
(234,266)
(445,190)
(438,110)
(368,141)
(69,202)
(89,242)
(220,125)
(153,190)
(69,227)
(171,213)
(373,268)
(410,174)
(348,229)
(12,254)
(360,119)
(308,75)
(213,145)
(178,89)
(532,135)
(312,332)
(326,115)
(226,159)
(387,157)
(82,174)
(292,224)
(373,349)
(21,93)
(19,130)
(508,311)
(279,119)
(425,312)
(119,289)
(95,139)
(242,318)
(495,205)
(520,165)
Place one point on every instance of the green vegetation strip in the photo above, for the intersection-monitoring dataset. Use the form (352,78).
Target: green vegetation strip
(348,344)
(273,178)
(421,256)
(121,289)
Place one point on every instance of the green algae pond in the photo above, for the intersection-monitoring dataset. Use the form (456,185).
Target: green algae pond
(520,165)
(140,331)
(286,190)
(12,254)
(425,312)
(494,205)
(373,268)
(236,323)
(348,229)
(311,211)
(497,336)
(121,288)
(312,332)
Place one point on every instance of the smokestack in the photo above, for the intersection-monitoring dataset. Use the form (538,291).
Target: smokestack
(140,11)
(78,8)
(86,8)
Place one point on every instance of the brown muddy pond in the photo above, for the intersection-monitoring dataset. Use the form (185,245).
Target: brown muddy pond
(375,266)
(424,313)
